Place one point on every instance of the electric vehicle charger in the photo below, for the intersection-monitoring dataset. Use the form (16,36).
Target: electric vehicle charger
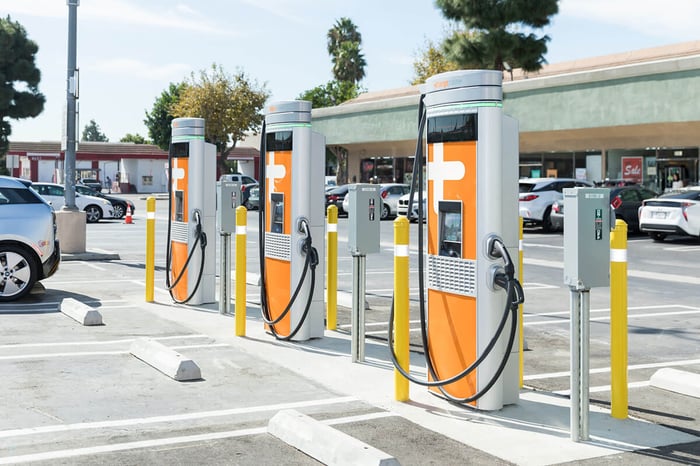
(502,279)
(310,263)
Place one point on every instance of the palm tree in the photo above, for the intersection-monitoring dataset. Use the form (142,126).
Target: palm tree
(344,47)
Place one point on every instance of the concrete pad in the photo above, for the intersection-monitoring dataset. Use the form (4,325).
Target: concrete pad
(683,382)
(166,360)
(80,312)
(252,278)
(324,443)
(70,230)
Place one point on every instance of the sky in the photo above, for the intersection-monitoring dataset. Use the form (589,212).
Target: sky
(129,51)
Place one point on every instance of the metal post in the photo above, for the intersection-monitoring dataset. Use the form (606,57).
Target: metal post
(150,247)
(332,269)
(241,238)
(357,347)
(521,329)
(71,97)
(225,274)
(618,321)
(401,307)
(575,332)
(585,376)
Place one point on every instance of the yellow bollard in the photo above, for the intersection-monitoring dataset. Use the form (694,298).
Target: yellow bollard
(521,355)
(241,235)
(150,246)
(332,268)
(401,309)
(618,320)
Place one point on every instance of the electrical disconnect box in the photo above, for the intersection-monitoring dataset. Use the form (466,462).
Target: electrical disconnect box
(364,215)
(586,237)
(228,197)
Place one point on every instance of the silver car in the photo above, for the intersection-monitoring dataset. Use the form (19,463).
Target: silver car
(29,250)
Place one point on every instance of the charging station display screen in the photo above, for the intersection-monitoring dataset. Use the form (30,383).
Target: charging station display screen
(179,149)
(277,213)
(450,228)
(452,128)
(279,141)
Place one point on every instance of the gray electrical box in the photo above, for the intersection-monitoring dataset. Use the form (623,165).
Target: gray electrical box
(364,215)
(228,197)
(586,237)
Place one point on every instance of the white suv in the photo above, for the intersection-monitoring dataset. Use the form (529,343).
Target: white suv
(538,194)
(29,250)
(95,208)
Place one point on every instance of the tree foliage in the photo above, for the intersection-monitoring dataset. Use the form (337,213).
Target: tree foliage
(331,94)
(500,39)
(344,43)
(19,78)
(92,133)
(159,120)
(134,138)
(230,104)
(431,61)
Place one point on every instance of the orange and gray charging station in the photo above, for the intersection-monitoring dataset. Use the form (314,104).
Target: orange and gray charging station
(190,258)
(292,230)
(472,214)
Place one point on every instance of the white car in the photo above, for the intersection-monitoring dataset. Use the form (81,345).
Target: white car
(671,214)
(538,194)
(402,206)
(95,208)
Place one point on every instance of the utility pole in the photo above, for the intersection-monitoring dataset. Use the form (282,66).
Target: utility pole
(71,97)
(70,222)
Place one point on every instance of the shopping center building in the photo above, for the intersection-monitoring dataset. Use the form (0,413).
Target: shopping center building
(632,116)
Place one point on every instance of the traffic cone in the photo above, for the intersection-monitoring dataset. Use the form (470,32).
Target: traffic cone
(128,219)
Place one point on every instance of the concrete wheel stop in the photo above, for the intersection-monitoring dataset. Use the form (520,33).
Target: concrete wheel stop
(80,312)
(166,360)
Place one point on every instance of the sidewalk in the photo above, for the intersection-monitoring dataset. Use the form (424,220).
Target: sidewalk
(535,431)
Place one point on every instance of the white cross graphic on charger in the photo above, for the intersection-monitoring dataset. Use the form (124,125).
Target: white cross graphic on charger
(440,171)
(274,172)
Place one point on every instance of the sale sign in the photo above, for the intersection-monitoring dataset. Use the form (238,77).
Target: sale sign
(632,169)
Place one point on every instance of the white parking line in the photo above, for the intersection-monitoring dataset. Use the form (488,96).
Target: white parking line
(90,343)
(604,388)
(606,318)
(601,370)
(96,353)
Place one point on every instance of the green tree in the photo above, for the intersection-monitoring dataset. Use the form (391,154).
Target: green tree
(19,78)
(231,106)
(158,121)
(344,43)
(431,61)
(331,94)
(135,138)
(92,133)
(499,39)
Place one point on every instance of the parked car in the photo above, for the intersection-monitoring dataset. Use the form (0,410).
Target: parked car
(625,200)
(253,201)
(247,183)
(390,194)
(95,208)
(93,183)
(402,206)
(29,250)
(118,204)
(538,194)
(675,213)
(336,196)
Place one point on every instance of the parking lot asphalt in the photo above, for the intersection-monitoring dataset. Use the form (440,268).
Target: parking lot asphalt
(75,395)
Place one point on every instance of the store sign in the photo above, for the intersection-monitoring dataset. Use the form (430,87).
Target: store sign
(632,169)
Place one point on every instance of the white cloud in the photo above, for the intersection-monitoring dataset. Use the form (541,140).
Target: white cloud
(670,19)
(178,16)
(129,67)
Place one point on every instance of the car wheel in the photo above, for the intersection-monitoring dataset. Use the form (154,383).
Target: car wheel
(119,210)
(547,221)
(18,272)
(385,211)
(658,237)
(93,213)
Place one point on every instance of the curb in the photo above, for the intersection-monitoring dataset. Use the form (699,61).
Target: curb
(674,380)
(324,443)
(90,256)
